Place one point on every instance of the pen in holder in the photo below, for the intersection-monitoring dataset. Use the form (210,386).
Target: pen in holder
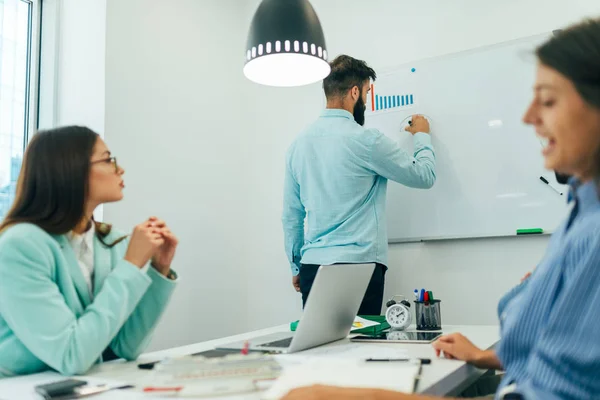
(428,316)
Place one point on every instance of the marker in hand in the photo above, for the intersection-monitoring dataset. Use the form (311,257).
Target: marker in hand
(548,183)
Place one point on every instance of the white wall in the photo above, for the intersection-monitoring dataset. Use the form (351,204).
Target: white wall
(204,149)
(81,78)
(73,63)
(178,118)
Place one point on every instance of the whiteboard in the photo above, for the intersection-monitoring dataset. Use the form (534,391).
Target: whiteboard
(488,161)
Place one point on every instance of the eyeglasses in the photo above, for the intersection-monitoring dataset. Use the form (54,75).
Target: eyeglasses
(111,160)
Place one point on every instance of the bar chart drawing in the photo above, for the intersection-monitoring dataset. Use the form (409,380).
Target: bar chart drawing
(381,102)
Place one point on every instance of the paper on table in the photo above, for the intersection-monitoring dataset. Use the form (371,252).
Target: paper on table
(360,323)
(344,374)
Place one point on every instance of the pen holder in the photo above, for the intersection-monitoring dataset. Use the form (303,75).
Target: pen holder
(428,315)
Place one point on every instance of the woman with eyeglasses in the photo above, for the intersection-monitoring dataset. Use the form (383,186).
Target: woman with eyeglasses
(74,292)
(549,346)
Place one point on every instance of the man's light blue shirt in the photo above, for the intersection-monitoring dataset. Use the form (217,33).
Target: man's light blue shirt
(336,178)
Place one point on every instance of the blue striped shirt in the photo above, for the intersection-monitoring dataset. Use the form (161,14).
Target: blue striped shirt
(336,177)
(550,325)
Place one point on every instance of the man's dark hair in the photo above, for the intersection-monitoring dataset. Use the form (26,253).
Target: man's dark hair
(346,72)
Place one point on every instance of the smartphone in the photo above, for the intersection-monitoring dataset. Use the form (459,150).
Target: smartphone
(60,388)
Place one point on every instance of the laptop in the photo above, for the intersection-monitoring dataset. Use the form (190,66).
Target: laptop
(329,312)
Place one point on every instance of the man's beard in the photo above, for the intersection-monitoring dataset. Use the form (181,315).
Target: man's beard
(359,111)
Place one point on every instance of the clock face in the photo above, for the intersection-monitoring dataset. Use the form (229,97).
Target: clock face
(397,316)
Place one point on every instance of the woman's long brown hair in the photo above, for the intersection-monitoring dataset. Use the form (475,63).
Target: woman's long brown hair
(575,53)
(54,181)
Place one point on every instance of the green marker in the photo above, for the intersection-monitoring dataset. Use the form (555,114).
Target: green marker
(531,231)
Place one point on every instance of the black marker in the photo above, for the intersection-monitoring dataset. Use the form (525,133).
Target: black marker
(148,365)
(548,183)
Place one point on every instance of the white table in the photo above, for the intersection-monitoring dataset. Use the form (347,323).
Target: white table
(441,377)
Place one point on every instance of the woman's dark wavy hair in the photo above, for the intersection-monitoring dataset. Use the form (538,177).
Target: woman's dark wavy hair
(575,53)
(53,185)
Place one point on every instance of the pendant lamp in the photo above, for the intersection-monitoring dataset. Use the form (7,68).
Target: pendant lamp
(286,46)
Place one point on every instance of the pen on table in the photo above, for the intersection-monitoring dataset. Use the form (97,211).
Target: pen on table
(424,361)
(548,183)
(417,377)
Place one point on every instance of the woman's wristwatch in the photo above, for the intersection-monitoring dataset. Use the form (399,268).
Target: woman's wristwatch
(172,275)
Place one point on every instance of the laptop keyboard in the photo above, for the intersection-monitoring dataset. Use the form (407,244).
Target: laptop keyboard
(278,343)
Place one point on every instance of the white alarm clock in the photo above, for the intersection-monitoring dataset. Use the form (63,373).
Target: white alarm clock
(398,314)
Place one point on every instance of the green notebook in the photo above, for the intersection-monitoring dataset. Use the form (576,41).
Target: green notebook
(371,330)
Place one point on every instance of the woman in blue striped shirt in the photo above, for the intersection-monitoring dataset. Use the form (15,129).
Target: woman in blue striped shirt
(550,346)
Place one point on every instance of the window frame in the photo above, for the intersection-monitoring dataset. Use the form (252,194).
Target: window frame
(33,75)
(31,101)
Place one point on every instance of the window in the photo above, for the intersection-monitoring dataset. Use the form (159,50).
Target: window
(17,63)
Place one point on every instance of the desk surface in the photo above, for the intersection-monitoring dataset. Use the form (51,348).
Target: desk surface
(441,377)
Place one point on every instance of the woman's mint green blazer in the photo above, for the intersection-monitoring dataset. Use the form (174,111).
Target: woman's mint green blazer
(47,319)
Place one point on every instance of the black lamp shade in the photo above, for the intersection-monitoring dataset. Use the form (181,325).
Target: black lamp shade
(286,46)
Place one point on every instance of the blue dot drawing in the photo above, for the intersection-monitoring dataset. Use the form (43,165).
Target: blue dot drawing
(413,70)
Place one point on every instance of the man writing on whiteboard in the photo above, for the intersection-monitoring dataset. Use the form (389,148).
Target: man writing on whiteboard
(336,178)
